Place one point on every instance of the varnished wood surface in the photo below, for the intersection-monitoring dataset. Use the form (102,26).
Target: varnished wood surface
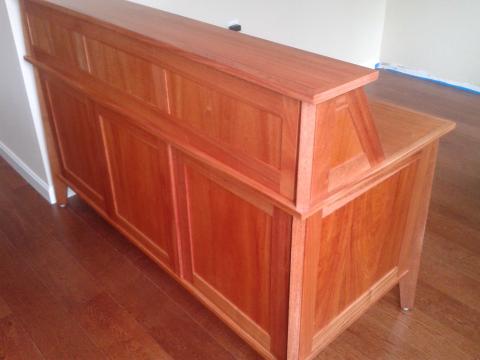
(365,235)
(71,287)
(138,166)
(75,128)
(198,106)
(297,73)
(249,129)
(171,133)
(402,131)
(352,253)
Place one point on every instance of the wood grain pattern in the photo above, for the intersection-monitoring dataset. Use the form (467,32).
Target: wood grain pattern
(128,73)
(117,333)
(282,231)
(134,157)
(366,234)
(39,32)
(402,132)
(347,157)
(15,343)
(306,151)
(353,311)
(227,120)
(219,257)
(4,309)
(75,128)
(101,255)
(297,73)
(365,126)
(313,228)
(345,138)
(411,251)
(42,240)
(297,261)
(267,195)
(346,143)
(323,140)
(273,160)
(65,45)
(244,167)
(48,321)
(236,270)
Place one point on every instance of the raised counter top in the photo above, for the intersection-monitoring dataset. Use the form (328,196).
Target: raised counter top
(293,72)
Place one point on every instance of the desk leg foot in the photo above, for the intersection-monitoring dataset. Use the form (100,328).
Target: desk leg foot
(61,192)
(408,289)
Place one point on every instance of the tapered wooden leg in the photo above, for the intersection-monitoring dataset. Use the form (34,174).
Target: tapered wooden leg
(61,191)
(415,228)
(408,287)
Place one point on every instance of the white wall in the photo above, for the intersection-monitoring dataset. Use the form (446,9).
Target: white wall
(436,38)
(21,134)
(349,30)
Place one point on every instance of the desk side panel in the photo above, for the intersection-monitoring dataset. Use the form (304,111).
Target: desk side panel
(360,243)
(357,250)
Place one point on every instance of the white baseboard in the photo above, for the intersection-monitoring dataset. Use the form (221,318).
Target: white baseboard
(426,76)
(27,173)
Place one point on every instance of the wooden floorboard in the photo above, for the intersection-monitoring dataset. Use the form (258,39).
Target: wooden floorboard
(16,343)
(73,288)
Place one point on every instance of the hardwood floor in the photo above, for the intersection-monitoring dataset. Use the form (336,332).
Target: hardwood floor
(73,288)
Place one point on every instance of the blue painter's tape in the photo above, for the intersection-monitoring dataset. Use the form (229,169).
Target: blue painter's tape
(439,82)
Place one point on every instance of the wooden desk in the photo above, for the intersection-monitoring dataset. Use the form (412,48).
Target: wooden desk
(257,175)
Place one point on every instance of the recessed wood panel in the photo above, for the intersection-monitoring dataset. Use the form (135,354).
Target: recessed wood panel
(232,122)
(39,29)
(347,157)
(230,240)
(66,45)
(344,131)
(129,73)
(140,179)
(345,139)
(236,248)
(359,243)
(78,140)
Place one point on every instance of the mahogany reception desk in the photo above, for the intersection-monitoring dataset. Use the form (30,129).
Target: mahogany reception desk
(259,176)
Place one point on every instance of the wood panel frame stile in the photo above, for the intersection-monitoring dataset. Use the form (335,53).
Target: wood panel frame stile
(260,177)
